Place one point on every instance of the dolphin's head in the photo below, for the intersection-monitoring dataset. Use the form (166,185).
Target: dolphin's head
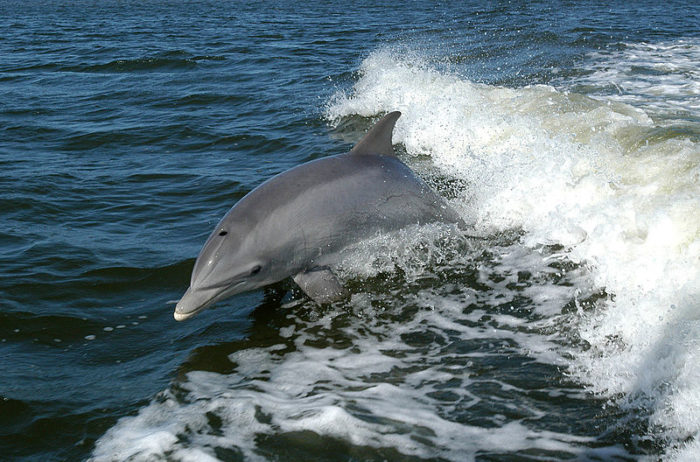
(228,264)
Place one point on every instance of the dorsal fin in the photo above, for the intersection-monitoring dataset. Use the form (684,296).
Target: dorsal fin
(378,140)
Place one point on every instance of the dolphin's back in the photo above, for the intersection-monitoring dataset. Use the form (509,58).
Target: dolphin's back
(338,200)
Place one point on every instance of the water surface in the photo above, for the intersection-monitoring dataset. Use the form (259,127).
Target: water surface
(568,134)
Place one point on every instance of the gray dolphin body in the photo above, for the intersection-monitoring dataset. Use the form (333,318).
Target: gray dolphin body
(297,222)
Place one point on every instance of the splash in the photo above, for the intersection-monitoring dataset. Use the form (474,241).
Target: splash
(394,373)
(596,176)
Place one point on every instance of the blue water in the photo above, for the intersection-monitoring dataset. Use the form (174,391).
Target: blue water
(127,130)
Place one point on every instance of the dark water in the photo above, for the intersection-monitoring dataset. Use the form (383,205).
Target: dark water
(127,129)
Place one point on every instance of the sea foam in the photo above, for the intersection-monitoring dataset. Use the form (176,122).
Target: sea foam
(600,177)
(662,77)
(411,382)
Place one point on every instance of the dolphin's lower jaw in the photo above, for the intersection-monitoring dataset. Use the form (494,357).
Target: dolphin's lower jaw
(196,299)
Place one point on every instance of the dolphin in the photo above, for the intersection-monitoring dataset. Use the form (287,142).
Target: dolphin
(296,223)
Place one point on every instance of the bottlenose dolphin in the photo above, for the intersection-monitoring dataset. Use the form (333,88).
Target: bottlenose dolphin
(297,222)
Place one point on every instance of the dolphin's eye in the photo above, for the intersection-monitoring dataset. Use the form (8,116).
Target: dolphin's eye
(223,232)
(256,269)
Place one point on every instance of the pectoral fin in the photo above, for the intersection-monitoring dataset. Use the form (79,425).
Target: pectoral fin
(321,285)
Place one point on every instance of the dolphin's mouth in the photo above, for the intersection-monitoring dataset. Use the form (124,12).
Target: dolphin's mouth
(231,283)
(181,315)
(192,302)
(195,300)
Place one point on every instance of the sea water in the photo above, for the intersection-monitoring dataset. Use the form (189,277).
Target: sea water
(564,324)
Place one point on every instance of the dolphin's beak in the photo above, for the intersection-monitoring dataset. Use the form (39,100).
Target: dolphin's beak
(194,301)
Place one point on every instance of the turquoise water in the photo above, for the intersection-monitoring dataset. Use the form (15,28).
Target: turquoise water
(567,134)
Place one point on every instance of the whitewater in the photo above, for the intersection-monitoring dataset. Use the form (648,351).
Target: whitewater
(597,175)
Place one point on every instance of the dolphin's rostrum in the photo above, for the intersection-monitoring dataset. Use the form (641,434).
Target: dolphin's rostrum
(297,222)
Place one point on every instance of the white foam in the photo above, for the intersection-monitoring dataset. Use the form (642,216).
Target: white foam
(378,393)
(663,77)
(595,176)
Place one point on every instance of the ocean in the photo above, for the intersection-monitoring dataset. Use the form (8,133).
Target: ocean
(563,325)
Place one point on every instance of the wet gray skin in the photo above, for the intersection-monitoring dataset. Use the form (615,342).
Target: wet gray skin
(296,223)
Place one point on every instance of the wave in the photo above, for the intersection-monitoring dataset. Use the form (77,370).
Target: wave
(662,77)
(163,62)
(596,176)
(148,63)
